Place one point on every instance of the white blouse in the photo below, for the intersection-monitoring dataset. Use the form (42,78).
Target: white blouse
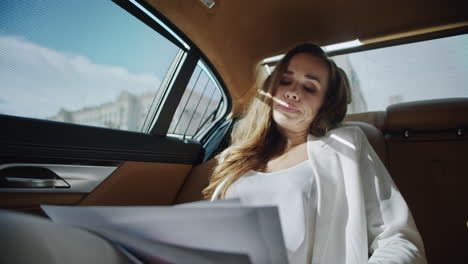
(292,191)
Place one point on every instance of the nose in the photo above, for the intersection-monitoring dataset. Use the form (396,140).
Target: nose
(292,94)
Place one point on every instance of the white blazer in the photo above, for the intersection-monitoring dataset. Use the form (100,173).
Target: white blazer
(360,211)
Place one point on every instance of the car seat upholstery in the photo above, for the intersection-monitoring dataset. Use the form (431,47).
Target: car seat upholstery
(375,118)
(427,146)
(195,182)
(375,137)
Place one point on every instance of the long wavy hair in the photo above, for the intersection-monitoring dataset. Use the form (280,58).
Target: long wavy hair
(255,139)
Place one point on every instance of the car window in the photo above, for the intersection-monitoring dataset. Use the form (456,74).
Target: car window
(201,105)
(83,62)
(424,70)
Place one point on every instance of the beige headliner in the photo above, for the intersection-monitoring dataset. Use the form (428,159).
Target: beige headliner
(237,34)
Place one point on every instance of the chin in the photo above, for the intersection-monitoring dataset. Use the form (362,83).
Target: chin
(284,122)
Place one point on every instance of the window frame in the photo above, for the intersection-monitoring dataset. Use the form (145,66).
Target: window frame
(404,40)
(157,119)
(203,133)
(388,43)
(37,141)
(180,77)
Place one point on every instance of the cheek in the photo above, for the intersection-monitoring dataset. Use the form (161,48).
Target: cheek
(314,104)
(276,91)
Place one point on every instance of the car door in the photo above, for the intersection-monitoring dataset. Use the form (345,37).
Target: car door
(102,103)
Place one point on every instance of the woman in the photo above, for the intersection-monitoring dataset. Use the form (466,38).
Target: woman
(337,203)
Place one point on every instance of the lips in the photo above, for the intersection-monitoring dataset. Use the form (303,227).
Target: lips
(287,108)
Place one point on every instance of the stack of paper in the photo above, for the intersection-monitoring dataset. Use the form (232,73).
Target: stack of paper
(200,232)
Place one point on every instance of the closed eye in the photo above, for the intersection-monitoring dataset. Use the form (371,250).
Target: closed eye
(310,89)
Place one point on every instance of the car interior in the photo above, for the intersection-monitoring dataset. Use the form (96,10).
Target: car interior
(227,48)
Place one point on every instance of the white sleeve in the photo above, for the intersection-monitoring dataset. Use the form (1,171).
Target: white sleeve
(392,233)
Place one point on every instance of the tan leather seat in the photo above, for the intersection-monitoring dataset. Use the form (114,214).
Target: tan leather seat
(195,182)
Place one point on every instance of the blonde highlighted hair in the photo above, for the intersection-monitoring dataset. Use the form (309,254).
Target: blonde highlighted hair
(254,140)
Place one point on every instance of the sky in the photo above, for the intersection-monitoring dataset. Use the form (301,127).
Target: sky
(74,53)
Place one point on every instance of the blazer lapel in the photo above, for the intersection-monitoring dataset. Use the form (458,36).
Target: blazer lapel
(327,174)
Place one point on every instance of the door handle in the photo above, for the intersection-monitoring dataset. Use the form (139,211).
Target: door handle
(30,177)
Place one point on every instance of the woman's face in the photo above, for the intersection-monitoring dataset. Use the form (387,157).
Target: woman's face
(301,93)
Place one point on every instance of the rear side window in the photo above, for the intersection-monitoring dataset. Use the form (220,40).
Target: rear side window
(418,71)
(201,105)
(83,62)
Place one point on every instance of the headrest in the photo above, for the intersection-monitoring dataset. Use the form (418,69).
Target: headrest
(375,118)
(428,115)
(374,136)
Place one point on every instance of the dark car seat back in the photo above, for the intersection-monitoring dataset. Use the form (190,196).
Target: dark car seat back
(427,145)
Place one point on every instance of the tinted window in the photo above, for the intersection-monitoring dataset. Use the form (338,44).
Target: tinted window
(418,71)
(201,105)
(84,62)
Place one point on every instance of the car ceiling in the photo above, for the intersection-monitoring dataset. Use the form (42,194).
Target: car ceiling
(236,35)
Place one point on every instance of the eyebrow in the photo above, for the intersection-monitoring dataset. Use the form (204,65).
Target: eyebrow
(309,76)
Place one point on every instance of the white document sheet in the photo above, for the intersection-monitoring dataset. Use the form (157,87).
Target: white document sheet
(199,232)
